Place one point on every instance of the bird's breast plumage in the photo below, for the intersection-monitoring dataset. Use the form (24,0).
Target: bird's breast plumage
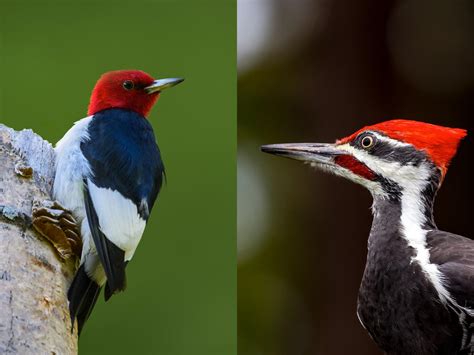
(398,302)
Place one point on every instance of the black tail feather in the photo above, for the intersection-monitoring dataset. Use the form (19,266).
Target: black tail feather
(82,296)
(109,292)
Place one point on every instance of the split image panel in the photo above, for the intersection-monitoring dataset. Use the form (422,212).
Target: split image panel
(166,221)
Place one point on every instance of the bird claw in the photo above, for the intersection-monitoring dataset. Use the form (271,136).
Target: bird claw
(58,226)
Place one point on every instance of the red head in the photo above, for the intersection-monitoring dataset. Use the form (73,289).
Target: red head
(388,158)
(439,143)
(133,90)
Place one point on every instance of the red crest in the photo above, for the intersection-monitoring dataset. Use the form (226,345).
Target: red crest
(440,143)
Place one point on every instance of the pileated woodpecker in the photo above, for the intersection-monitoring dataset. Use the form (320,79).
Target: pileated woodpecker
(417,291)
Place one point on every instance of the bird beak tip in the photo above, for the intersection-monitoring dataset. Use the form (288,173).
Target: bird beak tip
(265,148)
(162,84)
(277,149)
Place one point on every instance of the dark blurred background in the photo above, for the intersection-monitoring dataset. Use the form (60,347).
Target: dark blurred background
(181,290)
(316,71)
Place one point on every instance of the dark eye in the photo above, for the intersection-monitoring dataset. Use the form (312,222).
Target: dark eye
(128,85)
(367,142)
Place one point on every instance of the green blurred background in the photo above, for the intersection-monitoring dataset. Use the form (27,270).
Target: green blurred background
(181,296)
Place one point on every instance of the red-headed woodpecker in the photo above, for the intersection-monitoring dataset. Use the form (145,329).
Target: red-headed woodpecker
(108,174)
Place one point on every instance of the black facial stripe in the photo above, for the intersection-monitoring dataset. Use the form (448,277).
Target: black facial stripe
(403,154)
(393,190)
(428,196)
(389,152)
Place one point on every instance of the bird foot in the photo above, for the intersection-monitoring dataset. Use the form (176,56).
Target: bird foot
(58,226)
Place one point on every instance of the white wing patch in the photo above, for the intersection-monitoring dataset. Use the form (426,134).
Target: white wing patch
(118,217)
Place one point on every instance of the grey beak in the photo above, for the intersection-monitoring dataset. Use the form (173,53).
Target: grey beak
(162,84)
(323,153)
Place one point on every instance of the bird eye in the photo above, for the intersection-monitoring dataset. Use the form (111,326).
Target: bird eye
(128,85)
(367,142)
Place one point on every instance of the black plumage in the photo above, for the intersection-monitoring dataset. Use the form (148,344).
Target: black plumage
(397,304)
(82,296)
(124,156)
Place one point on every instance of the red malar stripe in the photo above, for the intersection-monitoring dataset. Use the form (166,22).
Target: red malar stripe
(354,165)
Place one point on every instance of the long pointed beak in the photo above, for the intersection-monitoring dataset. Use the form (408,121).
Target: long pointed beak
(162,84)
(323,153)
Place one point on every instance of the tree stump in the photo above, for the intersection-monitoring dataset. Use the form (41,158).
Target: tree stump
(34,315)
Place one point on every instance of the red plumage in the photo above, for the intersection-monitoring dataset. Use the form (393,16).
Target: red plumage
(109,92)
(440,143)
(354,165)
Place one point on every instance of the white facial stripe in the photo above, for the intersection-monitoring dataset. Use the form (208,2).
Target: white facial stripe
(403,175)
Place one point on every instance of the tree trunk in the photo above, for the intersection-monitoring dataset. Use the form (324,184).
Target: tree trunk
(34,315)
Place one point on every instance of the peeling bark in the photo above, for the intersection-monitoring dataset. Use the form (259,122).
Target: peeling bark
(34,316)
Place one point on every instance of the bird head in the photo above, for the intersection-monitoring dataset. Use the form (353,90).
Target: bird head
(386,158)
(134,90)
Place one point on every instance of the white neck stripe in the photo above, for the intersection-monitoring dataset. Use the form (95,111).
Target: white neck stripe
(412,220)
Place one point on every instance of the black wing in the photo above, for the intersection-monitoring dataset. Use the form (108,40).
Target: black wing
(123,156)
(454,256)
